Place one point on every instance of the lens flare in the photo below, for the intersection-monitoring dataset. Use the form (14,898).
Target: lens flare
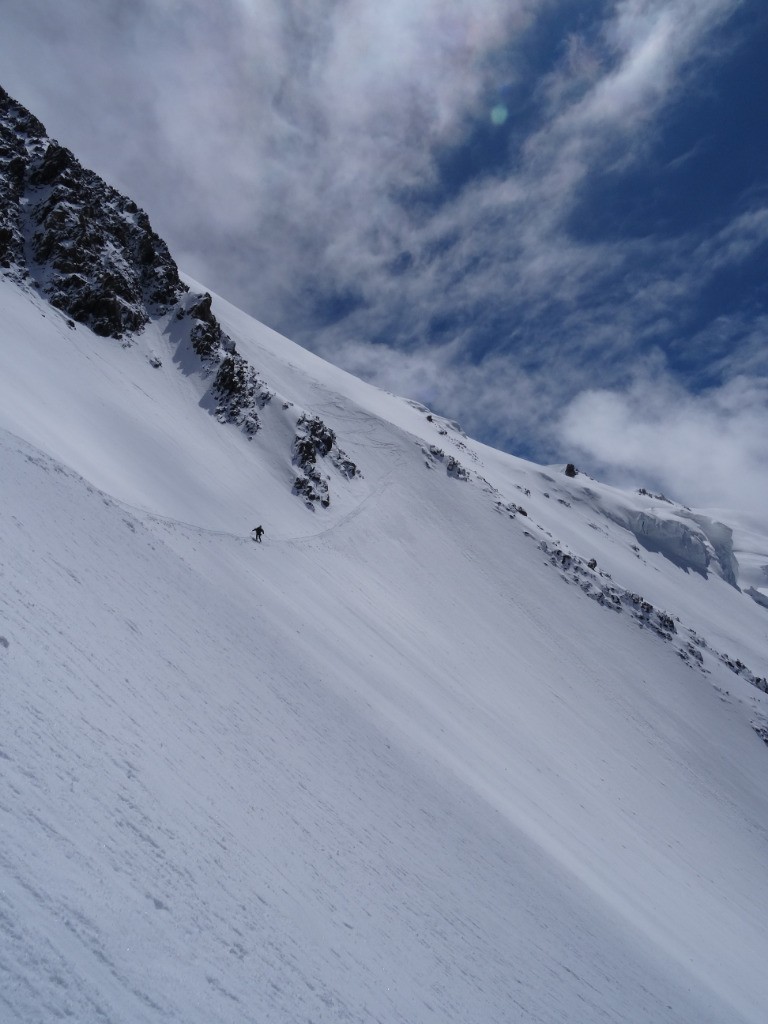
(499,115)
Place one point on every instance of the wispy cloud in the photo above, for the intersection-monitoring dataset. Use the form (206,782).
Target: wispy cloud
(294,154)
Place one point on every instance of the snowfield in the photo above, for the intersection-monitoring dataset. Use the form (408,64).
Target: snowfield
(409,760)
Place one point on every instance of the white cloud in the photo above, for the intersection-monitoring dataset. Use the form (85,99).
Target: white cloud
(293,127)
(271,142)
(705,450)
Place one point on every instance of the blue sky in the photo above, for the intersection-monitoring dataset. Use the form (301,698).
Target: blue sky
(546,219)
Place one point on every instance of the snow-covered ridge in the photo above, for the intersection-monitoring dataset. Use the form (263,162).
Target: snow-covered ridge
(706,546)
(93,255)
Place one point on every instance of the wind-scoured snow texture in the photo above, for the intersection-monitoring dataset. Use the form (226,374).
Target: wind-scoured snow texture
(91,251)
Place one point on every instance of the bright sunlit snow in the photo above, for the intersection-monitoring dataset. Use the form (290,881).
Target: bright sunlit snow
(405,761)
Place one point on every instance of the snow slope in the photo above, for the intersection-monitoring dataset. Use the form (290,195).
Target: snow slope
(403,762)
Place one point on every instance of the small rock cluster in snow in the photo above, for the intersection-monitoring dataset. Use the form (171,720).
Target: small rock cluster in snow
(314,439)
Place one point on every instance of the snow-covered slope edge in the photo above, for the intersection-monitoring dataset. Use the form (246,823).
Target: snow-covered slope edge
(663,562)
(259,788)
(141,428)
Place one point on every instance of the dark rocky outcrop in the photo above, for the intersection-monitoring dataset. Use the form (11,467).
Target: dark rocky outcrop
(90,251)
(237,391)
(315,440)
(453,467)
(206,336)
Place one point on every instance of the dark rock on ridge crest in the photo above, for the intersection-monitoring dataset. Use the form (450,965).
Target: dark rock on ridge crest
(91,252)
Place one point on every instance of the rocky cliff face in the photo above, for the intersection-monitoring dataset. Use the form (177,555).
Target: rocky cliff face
(92,253)
(90,250)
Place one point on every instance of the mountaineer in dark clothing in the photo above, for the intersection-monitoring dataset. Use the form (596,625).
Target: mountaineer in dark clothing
(257,533)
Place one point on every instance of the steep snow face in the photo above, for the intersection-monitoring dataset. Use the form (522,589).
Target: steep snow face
(464,739)
(720,537)
(672,538)
(391,763)
(705,544)
(392,771)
